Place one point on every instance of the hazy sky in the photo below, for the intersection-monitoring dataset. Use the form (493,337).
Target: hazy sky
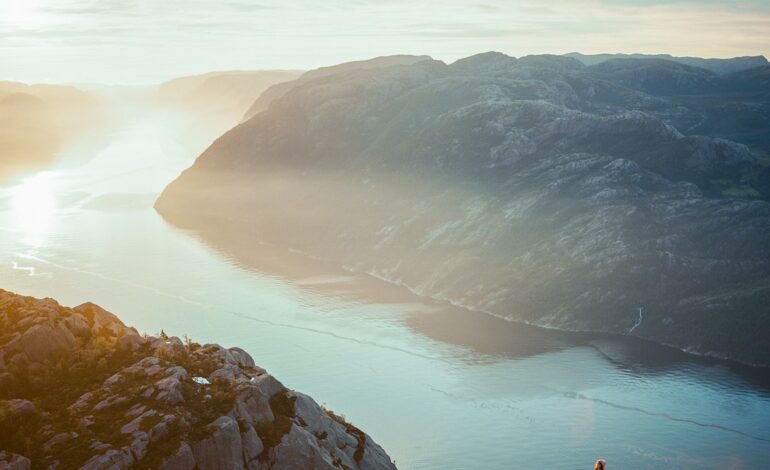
(145,41)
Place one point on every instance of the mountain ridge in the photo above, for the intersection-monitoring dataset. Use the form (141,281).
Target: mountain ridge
(531,188)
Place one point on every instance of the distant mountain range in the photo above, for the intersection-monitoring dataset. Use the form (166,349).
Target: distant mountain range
(718,66)
(37,121)
(628,196)
(218,100)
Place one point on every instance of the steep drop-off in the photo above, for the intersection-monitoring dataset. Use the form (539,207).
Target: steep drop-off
(79,389)
(536,189)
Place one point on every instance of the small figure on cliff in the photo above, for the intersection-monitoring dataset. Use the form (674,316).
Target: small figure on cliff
(600,464)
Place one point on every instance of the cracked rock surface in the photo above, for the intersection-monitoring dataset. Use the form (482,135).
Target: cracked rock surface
(98,395)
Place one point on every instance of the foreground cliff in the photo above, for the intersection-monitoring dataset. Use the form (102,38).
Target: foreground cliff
(537,189)
(79,389)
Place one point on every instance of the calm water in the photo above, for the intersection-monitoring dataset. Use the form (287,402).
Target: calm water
(86,230)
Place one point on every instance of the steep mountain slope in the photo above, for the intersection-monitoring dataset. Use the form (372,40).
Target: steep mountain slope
(79,389)
(220,98)
(533,189)
(278,90)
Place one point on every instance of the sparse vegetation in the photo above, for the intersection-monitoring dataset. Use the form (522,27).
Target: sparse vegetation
(282,406)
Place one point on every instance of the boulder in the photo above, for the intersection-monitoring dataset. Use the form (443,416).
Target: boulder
(223,449)
(19,406)
(299,450)
(41,342)
(78,325)
(140,444)
(252,444)
(112,460)
(170,390)
(183,459)
(242,358)
(253,405)
(9,461)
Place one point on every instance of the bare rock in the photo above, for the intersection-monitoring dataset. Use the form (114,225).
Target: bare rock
(268,384)
(299,450)
(241,358)
(59,439)
(183,459)
(252,444)
(134,425)
(101,320)
(112,460)
(9,461)
(19,406)
(223,449)
(78,325)
(140,445)
(112,380)
(110,402)
(161,430)
(253,405)
(41,342)
(130,341)
(81,402)
(170,390)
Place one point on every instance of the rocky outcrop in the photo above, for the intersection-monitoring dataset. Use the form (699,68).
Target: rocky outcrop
(126,400)
(536,189)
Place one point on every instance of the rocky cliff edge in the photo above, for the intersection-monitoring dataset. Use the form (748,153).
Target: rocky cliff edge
(79,389)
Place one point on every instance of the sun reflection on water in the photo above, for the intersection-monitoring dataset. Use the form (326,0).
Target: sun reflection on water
(33,206)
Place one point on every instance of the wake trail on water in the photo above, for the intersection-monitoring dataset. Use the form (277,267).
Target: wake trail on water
(219,308)
(580,396)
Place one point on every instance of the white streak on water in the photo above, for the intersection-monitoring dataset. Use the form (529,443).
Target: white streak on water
(218,308)
(638,322)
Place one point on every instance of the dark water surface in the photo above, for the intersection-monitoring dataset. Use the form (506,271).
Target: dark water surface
(439,387)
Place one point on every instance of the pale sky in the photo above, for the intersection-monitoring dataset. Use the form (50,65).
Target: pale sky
(147,41)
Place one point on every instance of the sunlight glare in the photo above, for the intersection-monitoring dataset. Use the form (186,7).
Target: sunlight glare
(33,203)
(25,13)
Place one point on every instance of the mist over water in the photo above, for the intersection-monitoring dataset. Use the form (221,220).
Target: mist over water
(406,369)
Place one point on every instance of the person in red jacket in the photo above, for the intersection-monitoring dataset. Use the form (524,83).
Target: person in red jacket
(600,464)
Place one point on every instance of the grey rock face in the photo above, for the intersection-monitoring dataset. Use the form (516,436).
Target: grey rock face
(151,412)
(9,461)
(241,357)
(252,445)
(183,459)
(537,189)
(299,450)
(112,459)
(223,449)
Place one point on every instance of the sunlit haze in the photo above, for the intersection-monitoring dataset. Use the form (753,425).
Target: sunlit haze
(384,234)
(145,41)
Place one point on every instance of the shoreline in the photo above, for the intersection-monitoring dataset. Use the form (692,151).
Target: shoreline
(291,271)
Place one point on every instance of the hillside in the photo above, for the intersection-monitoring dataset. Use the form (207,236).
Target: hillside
(535,189)
(717,66)
(38,121)
(264,100)
(220,98)
(79,389)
